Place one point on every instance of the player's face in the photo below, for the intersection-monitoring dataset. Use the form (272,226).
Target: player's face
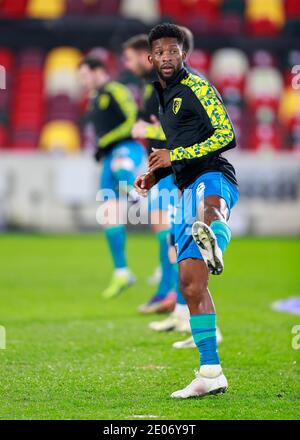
(91,79)
(134,61)
(86,78)
(167,57)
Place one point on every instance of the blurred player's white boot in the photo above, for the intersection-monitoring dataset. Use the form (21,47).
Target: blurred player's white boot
(208,246)
(157,304)
(179,321)
(189,342)
(209,380)
(155,277)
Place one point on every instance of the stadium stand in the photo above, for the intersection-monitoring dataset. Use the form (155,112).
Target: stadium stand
(42,92)
(42,9)
(60,136)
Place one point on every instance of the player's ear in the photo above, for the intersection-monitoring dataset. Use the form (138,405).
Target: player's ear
(150,59)
(183,55)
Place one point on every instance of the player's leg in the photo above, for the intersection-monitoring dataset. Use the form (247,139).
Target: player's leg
(120,173)
(183,316)
(211,231)
(115,234)
(164,298)
(194,285)
(190,343)
(180,317)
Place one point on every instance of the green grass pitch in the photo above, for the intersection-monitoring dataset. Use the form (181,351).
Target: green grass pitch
(72,355)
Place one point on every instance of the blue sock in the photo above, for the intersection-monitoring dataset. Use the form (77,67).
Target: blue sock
(180,298)
(116,237)
(166,281)
(204,334)
(222,233)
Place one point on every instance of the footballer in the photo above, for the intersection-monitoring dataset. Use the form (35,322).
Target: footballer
(198,130)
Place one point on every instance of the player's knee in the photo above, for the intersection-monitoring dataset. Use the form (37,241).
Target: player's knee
(212,213)
(192,288)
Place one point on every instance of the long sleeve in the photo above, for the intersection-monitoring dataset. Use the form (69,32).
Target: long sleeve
(155,131)
(121,97)
(205,102)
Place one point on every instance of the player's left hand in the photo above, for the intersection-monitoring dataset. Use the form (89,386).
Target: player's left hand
(159,158)
(139,129)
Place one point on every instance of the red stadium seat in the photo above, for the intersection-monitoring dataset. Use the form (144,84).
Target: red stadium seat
(189,13)
(263,58)
(24,139)
(4,141)
(200,60)
(7,59)
(4,100)
(91,7)
(109,8)
(263,103)
(75,7)
(230,24)
(61,107)
(27,113)
(13,8)
(33,57)
(263,27)
(265,137)
(292,9)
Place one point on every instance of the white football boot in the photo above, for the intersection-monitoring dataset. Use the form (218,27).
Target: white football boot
(189,342)
(155,277)
(209,380)
(208,246)
(186,343)
(178,321)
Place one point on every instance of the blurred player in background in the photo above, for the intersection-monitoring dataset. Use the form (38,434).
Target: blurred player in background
(197,130)
(113,112)
(135,55)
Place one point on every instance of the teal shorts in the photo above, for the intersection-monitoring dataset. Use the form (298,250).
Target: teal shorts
(208,184)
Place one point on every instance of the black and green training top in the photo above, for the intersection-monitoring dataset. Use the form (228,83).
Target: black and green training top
(197,128)
(113,112)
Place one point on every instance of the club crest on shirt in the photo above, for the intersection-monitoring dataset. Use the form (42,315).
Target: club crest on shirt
(176,105)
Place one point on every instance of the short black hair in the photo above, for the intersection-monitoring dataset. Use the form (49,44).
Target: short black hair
(92,62)
(138,42)
(165,30)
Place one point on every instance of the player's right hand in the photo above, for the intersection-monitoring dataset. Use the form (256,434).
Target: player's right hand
(144,183)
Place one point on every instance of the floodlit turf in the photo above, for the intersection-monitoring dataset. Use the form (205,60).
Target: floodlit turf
(72,355)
